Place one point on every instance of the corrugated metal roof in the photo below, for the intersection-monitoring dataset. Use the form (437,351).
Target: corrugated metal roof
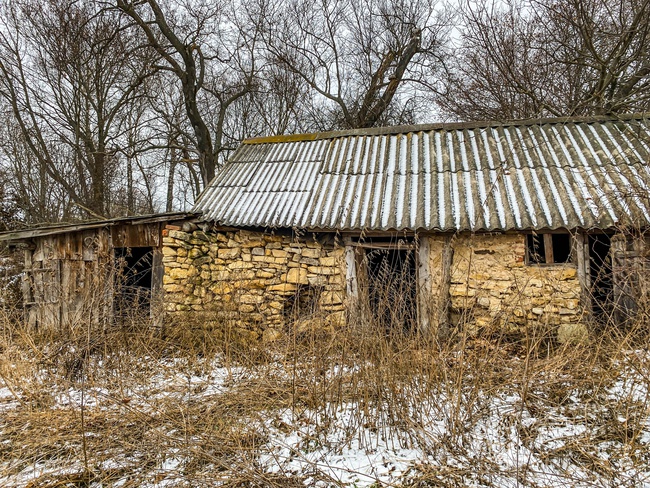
(589,173)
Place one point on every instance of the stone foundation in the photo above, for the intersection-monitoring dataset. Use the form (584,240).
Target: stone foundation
(254,281)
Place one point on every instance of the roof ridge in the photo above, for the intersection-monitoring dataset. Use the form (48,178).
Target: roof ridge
(402,129)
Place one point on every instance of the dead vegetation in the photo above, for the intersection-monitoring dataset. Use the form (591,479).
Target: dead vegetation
(182,405)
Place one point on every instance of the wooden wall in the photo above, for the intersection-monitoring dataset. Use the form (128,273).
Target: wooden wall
(69,277)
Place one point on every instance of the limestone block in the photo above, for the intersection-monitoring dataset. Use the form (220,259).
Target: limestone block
(461,291)
(296,275)
(240,265)
(178,274)
(337,279)
(318,280)
(228,253)
(331,297)
(181,251)
(264,274)
(181,236)
(174,288)
(263,259)
(310,261)
(283,288)
(323,270)
(201,261)
(223,274)
(258,251)
(567,311)
(200,235)
(572,333)
(279,253)
(483,302)
(276,305)
(246,308)
(311,252)
(168,251)
(257,284)
(572,304)
(568,274)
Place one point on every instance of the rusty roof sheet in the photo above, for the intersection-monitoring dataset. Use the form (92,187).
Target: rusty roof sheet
(554,173)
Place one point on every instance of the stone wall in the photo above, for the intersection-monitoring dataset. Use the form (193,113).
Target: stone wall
(256,282)
(491,285)
(260,282)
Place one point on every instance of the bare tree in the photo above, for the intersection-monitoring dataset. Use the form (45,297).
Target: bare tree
(69,74)
(356,55)
(529,58)
(211,54)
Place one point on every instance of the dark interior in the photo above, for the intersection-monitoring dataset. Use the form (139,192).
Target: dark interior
(135,275)
(538,254)
(600,270)
(392,288)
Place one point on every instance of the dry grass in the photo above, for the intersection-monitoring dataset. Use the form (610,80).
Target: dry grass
(130,407)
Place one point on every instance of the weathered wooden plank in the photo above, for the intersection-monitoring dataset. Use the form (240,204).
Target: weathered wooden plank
(548,248)
(444,300)
(424,293)
(582,261)
(351,273)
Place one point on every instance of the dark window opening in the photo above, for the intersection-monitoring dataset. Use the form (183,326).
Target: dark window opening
(303,304)
(392,292)
(600,273)
(134,279)
(548,248)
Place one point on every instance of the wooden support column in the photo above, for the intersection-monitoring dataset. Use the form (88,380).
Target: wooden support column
(582,260)
(444,300)
(352,284)
(424,293)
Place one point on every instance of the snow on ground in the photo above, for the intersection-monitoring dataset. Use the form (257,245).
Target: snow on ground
(498,439)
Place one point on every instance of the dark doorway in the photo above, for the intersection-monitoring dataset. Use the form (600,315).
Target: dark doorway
(134,280)
(600,272)
(392,292)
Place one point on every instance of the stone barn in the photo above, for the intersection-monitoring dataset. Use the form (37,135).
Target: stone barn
(419,227)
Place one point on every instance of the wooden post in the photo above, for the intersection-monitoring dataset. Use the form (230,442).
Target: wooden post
(424,293)
(352,282)
(548,248)
(444,300)
(582,261)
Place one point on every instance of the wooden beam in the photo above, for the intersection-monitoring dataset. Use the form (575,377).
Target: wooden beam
(582,261)
(424,293)
(548,248)
(444,299)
